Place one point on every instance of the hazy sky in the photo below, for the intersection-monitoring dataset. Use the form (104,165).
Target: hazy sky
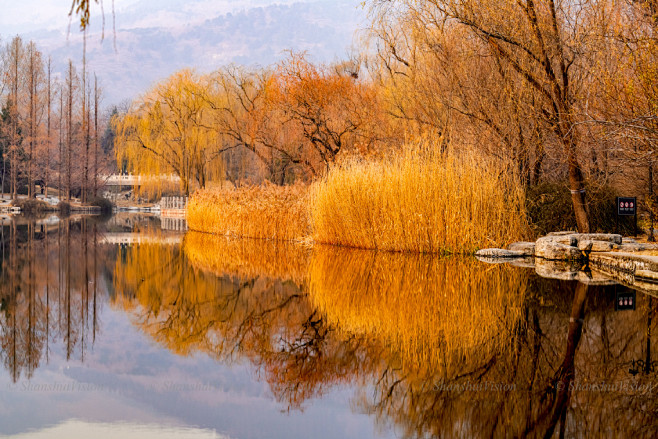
(154,38)
(29,15)
(22,16)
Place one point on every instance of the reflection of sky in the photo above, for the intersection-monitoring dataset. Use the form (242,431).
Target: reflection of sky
(75,429)
(128,382)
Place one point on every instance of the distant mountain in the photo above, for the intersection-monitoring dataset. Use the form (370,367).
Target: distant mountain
(151,42)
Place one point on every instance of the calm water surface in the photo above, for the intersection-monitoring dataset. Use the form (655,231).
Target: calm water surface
(120,328)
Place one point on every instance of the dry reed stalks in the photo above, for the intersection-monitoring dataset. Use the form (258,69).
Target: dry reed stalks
(265,212)
(423,201)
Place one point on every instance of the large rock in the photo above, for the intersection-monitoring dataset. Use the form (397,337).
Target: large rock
(630,247)
(635,247)
(573,246)
(587,245)
(527,248)
(568,240)
(499,253)
(554,249)
(604,237)
(562,233)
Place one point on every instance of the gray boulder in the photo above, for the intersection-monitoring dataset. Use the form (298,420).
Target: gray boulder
(563,233)
(554,249)
(636,247)
(527,248)
(499,253)
(595,246)
(604,237)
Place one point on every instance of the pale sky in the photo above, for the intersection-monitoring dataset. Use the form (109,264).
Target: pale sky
(29,15)
(154,38)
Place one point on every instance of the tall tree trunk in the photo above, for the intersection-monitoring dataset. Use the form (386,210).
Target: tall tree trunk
(32,119)
(14,165)
(95,136)
(48,133)
(61,142)
(85,120)
(576,180)
(69,128)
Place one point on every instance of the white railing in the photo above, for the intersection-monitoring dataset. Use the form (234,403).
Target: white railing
(134,180)
(173,203)
(134,238)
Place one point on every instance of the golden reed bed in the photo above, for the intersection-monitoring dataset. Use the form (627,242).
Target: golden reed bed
(265,212)
(424,202)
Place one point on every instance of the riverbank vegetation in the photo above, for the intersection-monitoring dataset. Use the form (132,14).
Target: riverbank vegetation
(521,100)
(424,201)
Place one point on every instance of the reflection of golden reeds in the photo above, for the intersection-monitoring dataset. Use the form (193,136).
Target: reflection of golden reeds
(147,271)
(188,310)
(435,311)
(423,202)
(247,258)
(267,212)
(167,299)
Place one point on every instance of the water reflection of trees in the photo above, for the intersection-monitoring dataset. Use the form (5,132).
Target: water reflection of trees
(264,317)
(437,347)
(48,292)
(552,364)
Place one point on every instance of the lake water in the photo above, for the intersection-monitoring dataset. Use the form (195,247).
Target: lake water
(120,328)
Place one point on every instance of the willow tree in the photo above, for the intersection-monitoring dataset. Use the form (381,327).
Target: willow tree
(237,97)
(543,45)
(334,110)
(167,132)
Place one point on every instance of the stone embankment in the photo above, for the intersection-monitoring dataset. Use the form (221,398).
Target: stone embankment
(591,258)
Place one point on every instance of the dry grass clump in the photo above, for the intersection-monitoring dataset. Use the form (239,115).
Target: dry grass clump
(31,205)
(422,201)
(246,258)
(266,212)
(440,313)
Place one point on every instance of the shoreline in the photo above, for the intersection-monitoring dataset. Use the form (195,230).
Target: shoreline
(593,259)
